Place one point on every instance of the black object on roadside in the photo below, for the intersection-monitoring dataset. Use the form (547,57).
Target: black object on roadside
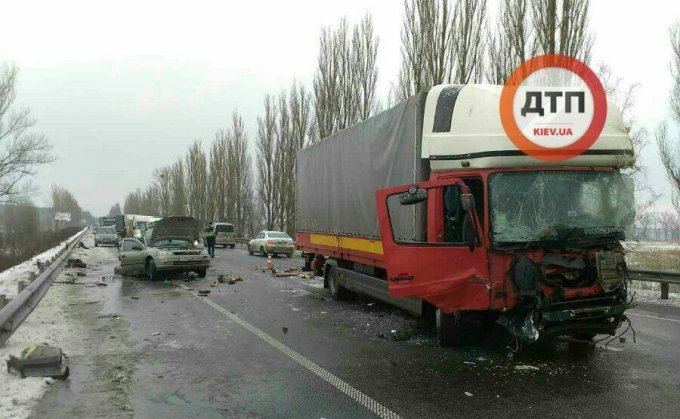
(39,361)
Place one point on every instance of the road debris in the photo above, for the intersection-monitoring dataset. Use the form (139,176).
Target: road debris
(156,334)
(526,368)
(285,329)
(467,393)
(203,293)
(214,283)
(76,263)
(38,361)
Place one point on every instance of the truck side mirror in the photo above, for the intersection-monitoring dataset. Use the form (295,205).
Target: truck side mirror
(414,195)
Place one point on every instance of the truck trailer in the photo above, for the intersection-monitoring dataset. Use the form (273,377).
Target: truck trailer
(431,207)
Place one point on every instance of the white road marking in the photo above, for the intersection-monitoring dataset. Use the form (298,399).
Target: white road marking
(325,375)
(654,317)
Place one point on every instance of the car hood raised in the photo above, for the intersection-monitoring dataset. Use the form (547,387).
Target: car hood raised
(175,227)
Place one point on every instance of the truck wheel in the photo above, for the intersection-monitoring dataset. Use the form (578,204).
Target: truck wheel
(449,327)
(152,272)
(202,272)
(338,292)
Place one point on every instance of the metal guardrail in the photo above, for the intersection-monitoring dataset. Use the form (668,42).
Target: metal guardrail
(28,297)
(665,278)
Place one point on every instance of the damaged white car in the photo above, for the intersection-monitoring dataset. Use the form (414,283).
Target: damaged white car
(173,248)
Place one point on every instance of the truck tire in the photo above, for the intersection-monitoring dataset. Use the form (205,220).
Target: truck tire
(449,327)
(338,292)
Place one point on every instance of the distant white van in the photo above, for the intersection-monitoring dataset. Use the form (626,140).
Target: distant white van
(224,235)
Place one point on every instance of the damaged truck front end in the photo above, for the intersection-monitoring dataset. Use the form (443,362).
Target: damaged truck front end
(576,295)
(556,238)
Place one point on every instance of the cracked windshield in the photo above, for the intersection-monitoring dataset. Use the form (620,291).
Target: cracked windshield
(339,209)
(534,206)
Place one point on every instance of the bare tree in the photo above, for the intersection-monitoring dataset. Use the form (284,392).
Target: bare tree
(196,172)
(21,149)
(345,78)
(561,27)
(511,43)
(115,210)
(365,52)
(162,185)
(467,41)
(284,170)
(177,182)
(299,103)
(669,145)
(64,201)
(219,175)
(426,53)
(241,174)
(266,162)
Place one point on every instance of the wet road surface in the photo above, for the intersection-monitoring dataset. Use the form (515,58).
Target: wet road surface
(280,347)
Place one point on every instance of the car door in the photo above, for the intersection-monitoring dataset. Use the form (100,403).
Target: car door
(132,257)
(427,246)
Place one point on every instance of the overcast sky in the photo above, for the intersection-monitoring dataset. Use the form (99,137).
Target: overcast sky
(125,88)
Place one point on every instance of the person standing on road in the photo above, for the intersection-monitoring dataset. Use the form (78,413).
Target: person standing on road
(210,239)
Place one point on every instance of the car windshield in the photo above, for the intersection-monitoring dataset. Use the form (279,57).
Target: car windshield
(106,230)
(277,235)
(559,205)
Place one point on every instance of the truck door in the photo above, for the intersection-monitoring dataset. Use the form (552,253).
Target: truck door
(132,257)
(433,243)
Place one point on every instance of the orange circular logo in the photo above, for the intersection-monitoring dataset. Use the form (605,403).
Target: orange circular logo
(553,107)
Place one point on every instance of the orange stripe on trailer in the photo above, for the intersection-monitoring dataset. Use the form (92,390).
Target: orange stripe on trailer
(350,243)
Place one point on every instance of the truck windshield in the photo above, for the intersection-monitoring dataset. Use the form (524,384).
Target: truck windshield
(559,206)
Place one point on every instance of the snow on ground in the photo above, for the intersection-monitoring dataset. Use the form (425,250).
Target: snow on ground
(47,324)
(650,246)
(10,277)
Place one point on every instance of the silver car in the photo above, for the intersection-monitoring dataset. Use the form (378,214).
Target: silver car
(173,247)
(272,242)
(105,235)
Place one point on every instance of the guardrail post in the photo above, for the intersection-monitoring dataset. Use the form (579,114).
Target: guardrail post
(20,286)
(31,276)
(3,300)
(664,291)
(41,266)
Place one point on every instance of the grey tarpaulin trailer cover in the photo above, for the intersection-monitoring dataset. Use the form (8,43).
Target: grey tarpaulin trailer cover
(338,177)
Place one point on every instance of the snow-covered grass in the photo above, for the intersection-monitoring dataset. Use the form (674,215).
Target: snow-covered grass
(10,277)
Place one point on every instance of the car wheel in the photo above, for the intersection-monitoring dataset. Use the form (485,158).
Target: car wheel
(231,246)
(449,328)
(250,251)
(152,271)
(201,273)
(262,251)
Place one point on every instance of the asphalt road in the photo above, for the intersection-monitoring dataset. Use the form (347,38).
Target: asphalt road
(280,347)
